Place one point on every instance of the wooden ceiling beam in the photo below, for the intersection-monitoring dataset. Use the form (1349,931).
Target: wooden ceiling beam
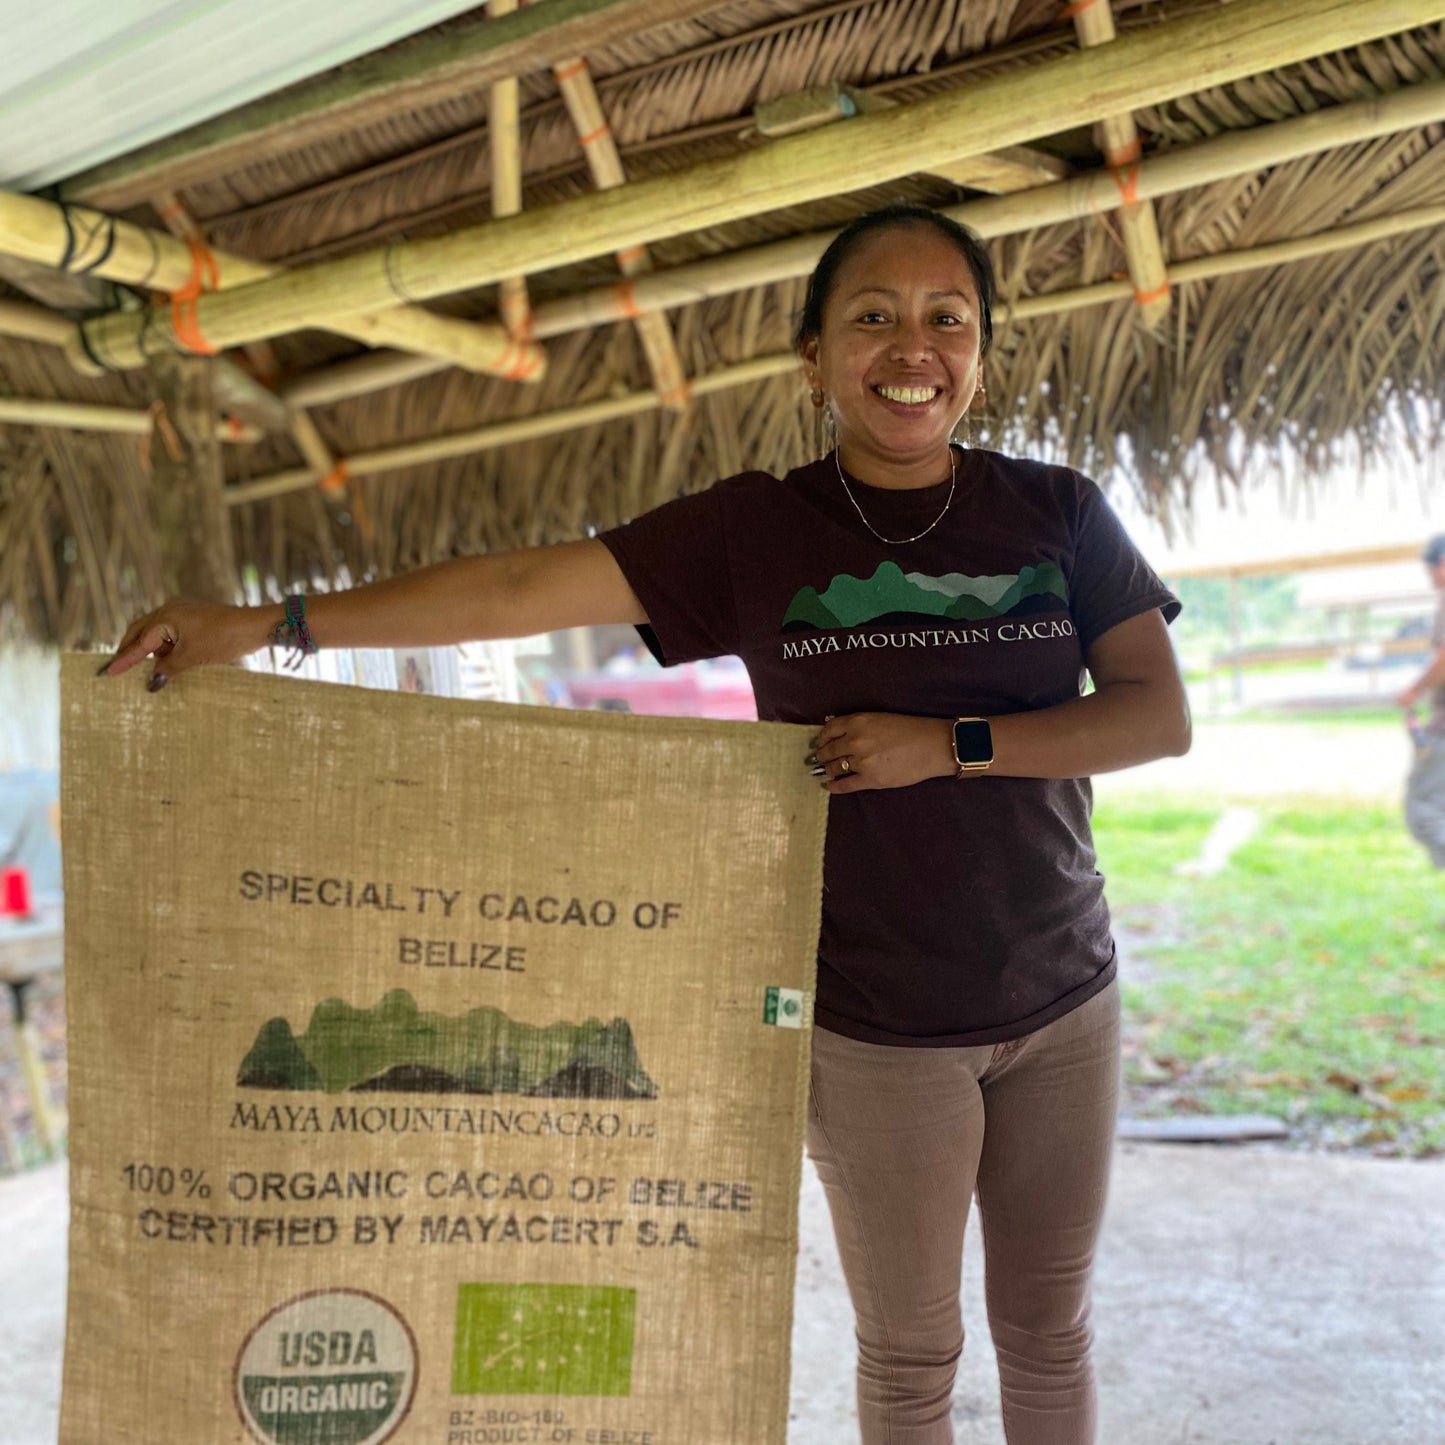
(532,428)
(422,71)
(1203,163)
(76,237)
(1140,69)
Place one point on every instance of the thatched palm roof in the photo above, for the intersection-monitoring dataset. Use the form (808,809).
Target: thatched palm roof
(1297,359)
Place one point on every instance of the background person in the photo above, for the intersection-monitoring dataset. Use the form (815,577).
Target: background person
(1425,786)
(935,608)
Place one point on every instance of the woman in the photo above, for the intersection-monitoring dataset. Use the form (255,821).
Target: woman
(936,608)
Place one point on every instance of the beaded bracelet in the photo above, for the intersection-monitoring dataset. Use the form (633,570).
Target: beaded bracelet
(293,634)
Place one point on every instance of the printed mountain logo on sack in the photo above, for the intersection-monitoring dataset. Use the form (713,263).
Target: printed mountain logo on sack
(543,1339)
(396,1048)
(892,595)
(337,1367)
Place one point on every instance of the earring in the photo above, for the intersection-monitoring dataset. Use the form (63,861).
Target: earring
(817,398)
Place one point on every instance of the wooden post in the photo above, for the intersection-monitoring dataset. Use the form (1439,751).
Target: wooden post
(197,556)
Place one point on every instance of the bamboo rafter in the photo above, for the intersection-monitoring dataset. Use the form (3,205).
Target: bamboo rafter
(783,363)
(80,416)
(1200,164)
(1139,69)
(1123,149)
(504,132)
(574,80)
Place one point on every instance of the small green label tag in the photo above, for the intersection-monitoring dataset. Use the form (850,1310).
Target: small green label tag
(783,1008)
(543,1339)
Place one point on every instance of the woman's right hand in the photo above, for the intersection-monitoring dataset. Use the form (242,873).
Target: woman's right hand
(181,634)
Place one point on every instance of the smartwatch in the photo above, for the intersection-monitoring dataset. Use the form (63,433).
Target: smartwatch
(972,745)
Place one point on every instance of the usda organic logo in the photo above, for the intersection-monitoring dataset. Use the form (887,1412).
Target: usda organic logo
(337,1367)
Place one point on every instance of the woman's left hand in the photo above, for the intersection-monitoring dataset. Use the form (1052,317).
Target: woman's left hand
(884,750)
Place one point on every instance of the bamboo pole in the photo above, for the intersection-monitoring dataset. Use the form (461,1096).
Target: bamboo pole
(504,131)
(81,416)
(137,256)
(1122,148)
(1219,158)
(33,323)
(760,368)
(1010,108)
(511,433)
(584,106)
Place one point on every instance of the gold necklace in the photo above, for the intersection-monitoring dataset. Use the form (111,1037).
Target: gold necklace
(901,541)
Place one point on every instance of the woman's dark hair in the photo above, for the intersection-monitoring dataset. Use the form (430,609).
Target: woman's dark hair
(820,283)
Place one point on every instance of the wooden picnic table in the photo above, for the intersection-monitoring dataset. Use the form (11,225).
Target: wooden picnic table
(29,948)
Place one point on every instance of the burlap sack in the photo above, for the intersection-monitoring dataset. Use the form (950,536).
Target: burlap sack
(437,1069)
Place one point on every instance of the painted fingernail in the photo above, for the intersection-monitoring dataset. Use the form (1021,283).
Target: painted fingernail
(156,683)
(811,759)
(104,665)
(819,772)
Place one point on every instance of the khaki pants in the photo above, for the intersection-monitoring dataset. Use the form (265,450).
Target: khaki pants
(1425,800)
(903,1139)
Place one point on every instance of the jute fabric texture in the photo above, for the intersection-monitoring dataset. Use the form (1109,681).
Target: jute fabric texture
(438,1069)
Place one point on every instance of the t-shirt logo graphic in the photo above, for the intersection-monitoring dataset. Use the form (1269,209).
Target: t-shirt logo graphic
(543,1339)
(892,595)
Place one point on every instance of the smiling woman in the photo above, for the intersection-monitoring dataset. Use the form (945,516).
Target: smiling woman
(931,610)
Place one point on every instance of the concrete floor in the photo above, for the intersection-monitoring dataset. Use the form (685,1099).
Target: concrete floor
(1243,1297)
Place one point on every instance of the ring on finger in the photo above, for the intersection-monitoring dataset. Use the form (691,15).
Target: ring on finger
(845,765)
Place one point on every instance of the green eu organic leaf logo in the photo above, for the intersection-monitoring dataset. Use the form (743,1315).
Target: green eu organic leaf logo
(543,1339)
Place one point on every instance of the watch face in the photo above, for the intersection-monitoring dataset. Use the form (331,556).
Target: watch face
(973,740)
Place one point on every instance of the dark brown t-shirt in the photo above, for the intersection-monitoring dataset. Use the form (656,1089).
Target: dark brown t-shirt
(954,912)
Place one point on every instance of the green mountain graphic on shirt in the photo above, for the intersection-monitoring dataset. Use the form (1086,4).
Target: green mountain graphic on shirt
(893,595)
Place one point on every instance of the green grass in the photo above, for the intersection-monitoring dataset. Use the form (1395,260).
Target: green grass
(1305,980)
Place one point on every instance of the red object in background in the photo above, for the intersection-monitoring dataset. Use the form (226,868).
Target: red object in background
(686,691)
(15,893)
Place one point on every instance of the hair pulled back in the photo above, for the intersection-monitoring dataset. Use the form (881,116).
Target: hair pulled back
(820,283)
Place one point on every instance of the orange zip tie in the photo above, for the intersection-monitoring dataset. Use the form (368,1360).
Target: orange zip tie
(626,295)
(505,362)
(592,137)
(528,364)
(1127,180)
(185,322)
(335,480)
(1077,8)
(1157,294)
(629,254)
(677,395)
(234,427)
(1125,154)
(572,67)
